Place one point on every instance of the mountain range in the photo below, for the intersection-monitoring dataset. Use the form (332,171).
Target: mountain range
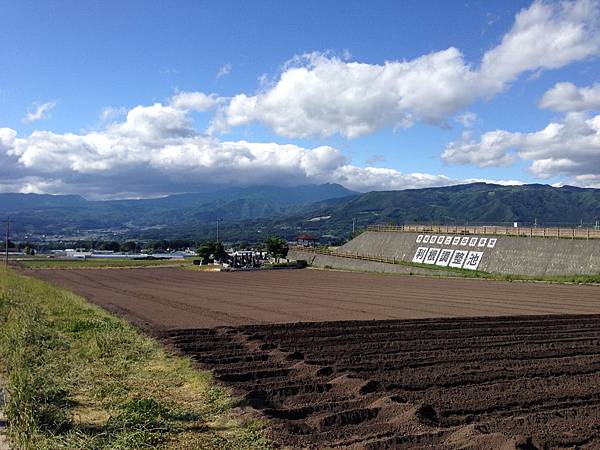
(323,210)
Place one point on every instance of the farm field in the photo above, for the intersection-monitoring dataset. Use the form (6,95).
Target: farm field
(176,298)
(517,382)
(353,360)
(49,263)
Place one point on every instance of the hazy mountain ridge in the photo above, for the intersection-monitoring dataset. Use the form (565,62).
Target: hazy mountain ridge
(249,213)
(46,214)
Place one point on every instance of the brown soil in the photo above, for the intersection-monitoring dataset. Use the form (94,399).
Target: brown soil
(338,378)
(177,298)
(480,383)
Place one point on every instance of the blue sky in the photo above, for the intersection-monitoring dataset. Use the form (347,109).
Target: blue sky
(133,99)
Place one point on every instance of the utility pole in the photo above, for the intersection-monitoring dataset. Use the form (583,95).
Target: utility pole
(353,225)
(6,240)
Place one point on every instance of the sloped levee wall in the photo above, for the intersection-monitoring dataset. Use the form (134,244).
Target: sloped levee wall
(338,262)
(496,254)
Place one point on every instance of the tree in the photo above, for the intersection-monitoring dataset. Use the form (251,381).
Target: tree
(213,248)
(277,247)
(3,245)
(129,246)
(109,245)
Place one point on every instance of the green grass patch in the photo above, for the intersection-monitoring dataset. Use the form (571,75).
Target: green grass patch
(78,377)
(100,263)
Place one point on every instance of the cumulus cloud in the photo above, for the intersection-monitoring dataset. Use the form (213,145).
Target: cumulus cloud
(570,147)
(544,36)
(38,111)
(155,149)
(193,101)
(566,97)
(491,149)
(322,95)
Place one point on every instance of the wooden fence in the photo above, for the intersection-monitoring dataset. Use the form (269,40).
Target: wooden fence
(562,233)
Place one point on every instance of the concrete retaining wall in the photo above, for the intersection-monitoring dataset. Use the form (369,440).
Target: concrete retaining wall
(337,262)
(510,255)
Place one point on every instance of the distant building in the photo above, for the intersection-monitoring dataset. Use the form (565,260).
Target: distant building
(306,240)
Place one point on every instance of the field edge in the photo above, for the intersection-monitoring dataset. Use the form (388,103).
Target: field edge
(78,376)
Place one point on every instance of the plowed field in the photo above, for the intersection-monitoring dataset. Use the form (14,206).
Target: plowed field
(516,382)
(338,360)
(179,298)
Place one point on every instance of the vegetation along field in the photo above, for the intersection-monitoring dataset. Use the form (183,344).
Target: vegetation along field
(78,377)
(336,359)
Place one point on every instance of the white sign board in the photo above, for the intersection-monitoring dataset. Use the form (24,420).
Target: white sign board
(433,239)
(492,242)
(473,260)
(455,240)
(482,242)
(445,257)
(419,238)
(441,239)
(458,258)
(425,239)
(448,240)
(432,255)
(464,241)
(420,255)
(473,242)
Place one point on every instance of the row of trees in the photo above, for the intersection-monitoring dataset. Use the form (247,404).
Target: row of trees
(275,246)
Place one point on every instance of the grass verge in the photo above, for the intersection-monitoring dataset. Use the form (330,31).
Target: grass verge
(100,263)
(78,377)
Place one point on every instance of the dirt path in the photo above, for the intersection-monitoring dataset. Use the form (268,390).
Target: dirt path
(178,298)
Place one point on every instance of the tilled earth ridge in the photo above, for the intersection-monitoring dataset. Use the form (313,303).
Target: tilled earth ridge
(504,382)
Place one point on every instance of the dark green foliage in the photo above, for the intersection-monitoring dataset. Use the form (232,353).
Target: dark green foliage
(211,249)
(277,247)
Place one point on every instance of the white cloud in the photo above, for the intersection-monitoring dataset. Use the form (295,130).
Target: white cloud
(224,71)
(490,150)
(566,97)
(570,147)
(381,179)
(109,113)
(157,150)
(193,101)
(467,119)
(321,95)
(544,36)
(38,111)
